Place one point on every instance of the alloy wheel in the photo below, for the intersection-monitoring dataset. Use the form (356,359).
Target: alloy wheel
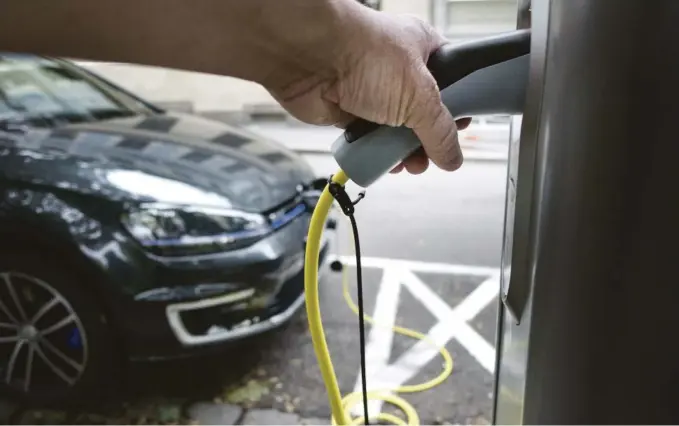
(43,346)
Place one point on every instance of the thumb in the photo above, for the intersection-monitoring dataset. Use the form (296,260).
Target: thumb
(435,127)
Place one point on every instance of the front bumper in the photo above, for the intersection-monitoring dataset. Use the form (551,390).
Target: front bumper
(173,329)
(219,319)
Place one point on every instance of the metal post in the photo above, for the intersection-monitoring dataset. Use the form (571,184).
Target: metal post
(523,15)
(591,275)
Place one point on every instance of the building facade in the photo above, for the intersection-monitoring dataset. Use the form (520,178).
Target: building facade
(458,20)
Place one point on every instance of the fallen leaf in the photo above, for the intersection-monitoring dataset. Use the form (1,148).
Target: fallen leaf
(252,392)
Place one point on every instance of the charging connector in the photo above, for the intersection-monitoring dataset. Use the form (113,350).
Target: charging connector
(341,407)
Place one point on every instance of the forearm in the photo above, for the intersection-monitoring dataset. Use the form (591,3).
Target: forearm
(250,39)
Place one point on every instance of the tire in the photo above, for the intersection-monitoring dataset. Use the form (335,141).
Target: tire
(72,322)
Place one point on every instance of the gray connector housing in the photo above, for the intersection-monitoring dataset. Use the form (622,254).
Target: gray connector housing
(498,89)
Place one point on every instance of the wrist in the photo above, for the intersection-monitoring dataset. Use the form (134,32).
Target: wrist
(310,38)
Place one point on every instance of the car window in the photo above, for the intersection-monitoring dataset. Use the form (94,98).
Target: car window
(37,86)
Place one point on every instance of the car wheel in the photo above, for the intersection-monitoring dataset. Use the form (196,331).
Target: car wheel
(56,347)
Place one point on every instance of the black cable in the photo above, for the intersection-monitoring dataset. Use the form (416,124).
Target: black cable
(361,316)
(347,206)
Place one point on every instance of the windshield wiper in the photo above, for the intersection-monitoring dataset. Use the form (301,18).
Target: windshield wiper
(13,123)
(108,113)
(22,121)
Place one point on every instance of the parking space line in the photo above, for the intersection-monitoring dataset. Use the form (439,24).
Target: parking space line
(426,295)
(378,349)
(380,339)
(476,345)
(452,322)
(479,298)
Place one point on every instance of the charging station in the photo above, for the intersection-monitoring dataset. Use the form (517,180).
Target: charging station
(590,284)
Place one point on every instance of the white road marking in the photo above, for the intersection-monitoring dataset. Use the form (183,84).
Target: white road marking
(452,322)
(479,298)
(426,295)
(379,344)
(477,346)
(385,316)
(419,355)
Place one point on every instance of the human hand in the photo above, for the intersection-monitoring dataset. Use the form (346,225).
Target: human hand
(380,75)
(326,61)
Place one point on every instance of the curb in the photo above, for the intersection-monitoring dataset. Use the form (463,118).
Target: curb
(304,139)
(249,121)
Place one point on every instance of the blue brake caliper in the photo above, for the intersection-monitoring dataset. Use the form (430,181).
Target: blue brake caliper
(74,339)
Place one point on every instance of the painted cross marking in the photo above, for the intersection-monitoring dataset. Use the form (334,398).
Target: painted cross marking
(452,322)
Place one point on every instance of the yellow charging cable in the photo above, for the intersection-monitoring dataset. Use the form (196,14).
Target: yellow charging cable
(341,407)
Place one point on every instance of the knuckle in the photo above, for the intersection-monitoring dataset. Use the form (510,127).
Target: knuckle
(424,31)
(415,22)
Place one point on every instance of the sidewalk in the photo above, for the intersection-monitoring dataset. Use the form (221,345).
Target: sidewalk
(318,140)
(169,413)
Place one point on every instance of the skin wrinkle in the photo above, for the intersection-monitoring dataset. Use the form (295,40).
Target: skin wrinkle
(325,61)
(322,112)
(406,102)
(436,146)
(412,104)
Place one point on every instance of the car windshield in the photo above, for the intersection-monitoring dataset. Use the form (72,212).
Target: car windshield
(45,92)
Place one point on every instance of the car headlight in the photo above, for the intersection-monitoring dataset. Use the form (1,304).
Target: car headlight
(185,230)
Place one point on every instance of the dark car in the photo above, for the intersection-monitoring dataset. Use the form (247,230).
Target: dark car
(132,232)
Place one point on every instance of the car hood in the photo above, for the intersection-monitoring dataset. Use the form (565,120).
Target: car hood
(168,158)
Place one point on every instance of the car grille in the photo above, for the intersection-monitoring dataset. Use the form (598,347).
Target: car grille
(286,212)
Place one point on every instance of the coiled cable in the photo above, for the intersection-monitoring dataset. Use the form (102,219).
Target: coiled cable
(341,406)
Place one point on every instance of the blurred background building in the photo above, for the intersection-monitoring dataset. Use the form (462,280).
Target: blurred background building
(237,100)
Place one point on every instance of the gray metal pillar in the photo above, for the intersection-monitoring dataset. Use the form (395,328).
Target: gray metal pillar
(590,324)
(523,14)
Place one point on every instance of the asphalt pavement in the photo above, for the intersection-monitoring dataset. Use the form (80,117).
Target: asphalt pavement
(431,246)
(434,217)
